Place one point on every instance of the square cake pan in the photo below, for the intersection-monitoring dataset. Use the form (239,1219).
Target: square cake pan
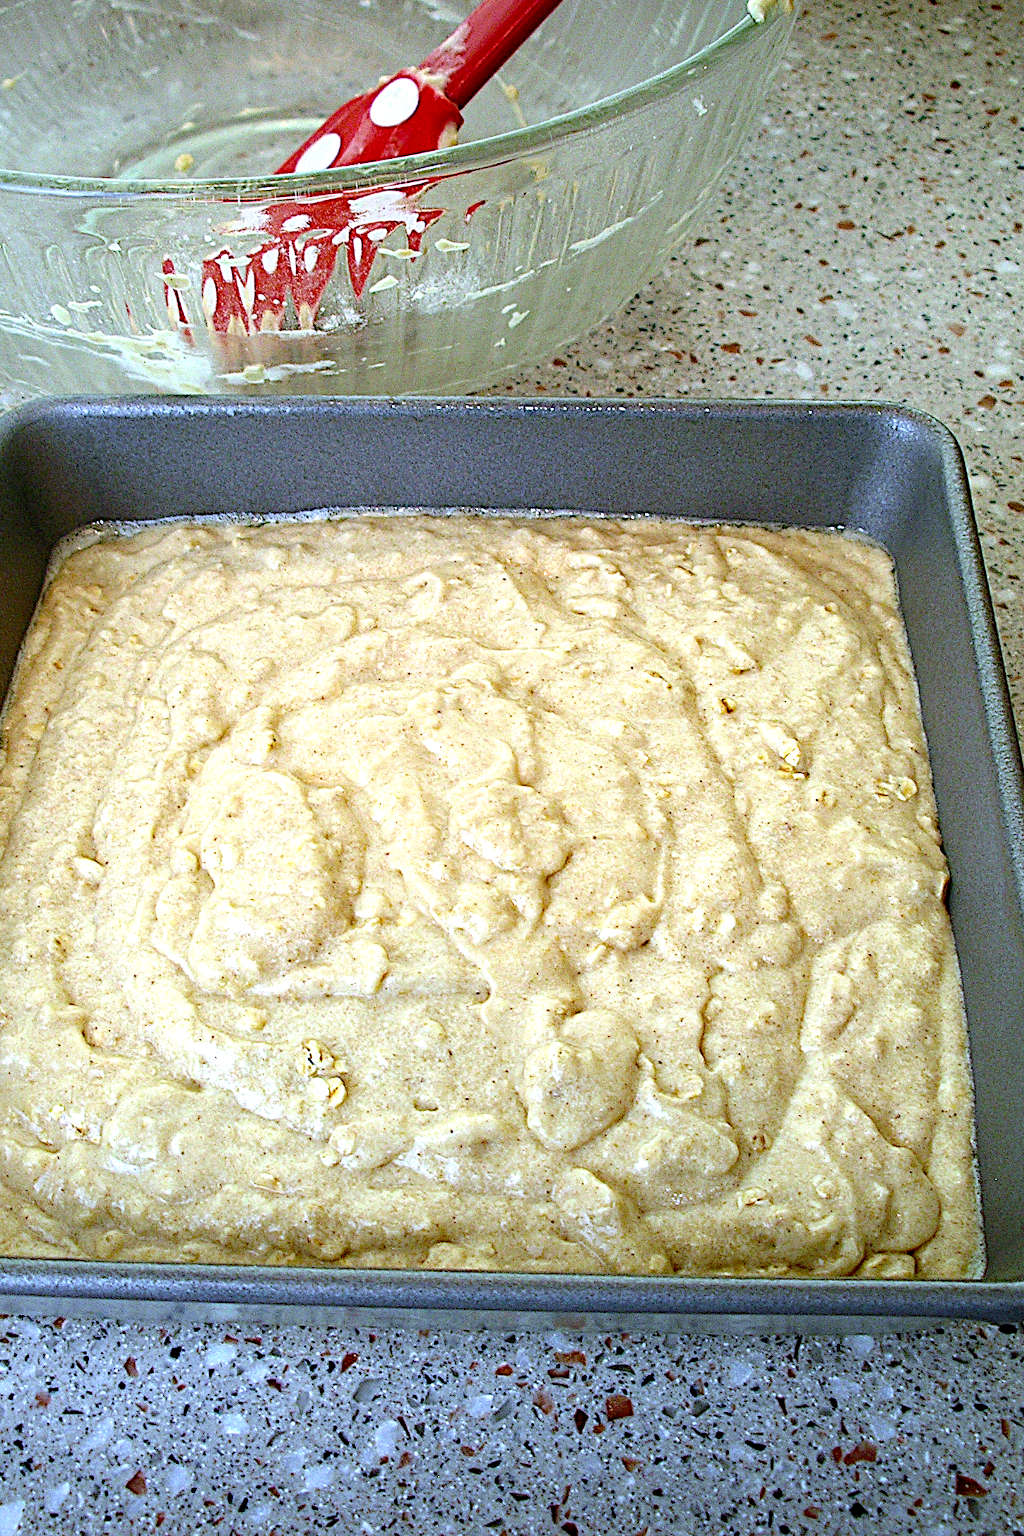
(885,472)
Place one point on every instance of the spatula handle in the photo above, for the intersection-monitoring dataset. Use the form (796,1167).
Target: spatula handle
(483,43)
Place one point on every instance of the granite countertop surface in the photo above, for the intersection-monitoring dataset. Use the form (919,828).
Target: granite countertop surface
(869,245)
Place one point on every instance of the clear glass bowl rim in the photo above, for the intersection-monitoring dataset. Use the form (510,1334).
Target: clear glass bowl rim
(435,165)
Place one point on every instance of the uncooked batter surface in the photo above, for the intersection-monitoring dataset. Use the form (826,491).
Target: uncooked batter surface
(469,892)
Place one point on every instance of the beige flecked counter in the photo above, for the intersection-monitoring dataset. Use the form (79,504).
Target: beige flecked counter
(871,247)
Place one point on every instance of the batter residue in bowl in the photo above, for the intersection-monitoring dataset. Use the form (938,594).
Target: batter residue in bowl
(469,892)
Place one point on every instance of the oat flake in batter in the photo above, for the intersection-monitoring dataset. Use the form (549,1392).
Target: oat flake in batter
(476,893)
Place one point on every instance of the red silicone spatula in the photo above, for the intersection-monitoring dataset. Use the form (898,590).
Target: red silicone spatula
(416,110)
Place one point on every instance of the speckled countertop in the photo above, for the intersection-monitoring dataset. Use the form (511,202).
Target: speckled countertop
(870,247)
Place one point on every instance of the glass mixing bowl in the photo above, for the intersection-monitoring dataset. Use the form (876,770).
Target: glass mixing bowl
(135,142)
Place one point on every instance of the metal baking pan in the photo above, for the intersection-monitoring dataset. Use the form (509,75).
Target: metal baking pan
(885,472)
